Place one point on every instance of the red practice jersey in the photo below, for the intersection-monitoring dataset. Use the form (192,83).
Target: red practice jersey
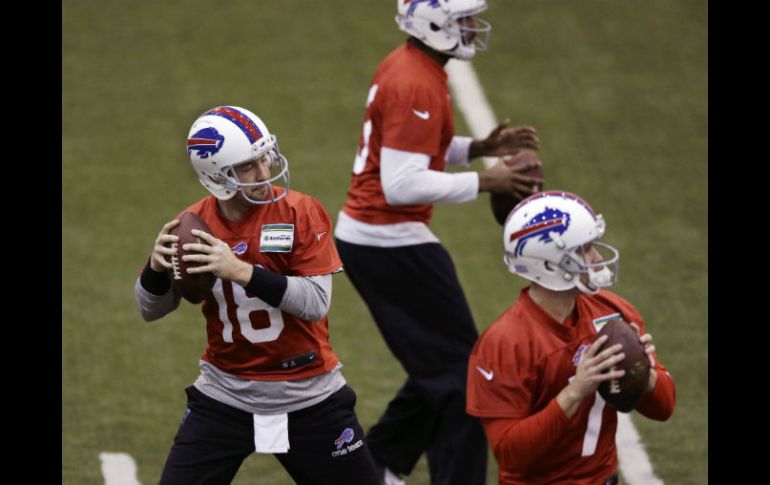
(247,337)
(519,365)
(408,109)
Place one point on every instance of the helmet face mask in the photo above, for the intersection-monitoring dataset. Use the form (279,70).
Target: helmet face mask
(473,38)
(443,25)
(277,170)
(225,137)
(551,238)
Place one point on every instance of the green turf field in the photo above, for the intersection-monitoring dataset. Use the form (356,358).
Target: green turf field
(616,88)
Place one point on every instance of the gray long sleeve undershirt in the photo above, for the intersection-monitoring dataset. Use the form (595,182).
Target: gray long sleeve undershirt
(308,297)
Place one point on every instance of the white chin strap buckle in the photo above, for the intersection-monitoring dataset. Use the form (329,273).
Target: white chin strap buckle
(601,278)
(596,280)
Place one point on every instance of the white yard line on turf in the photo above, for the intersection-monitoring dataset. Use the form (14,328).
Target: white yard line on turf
(634,462)
(469,98)
(118,469)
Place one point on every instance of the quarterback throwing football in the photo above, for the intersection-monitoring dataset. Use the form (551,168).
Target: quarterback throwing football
(394,260)
(534,373)
(269,380)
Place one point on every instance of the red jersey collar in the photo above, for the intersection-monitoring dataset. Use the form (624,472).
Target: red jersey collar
(566,330)
(426,60)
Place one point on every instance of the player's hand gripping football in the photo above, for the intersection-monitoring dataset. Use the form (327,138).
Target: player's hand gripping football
(218,258)
(592,369)
(505,140)
(163,242)
(503,178)
(649,349)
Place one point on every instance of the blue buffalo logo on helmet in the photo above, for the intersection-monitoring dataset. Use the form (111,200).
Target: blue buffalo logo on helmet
(206,142)
(345,437)
(542,225)
(414,3)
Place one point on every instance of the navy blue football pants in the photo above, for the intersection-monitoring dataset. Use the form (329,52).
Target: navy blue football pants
(420,309)
(214,439)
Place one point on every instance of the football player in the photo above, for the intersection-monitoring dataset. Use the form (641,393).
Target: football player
(269,380)
(534,373)
(396,263)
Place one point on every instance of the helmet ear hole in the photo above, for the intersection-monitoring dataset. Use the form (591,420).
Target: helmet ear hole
(434,27)
(548,266)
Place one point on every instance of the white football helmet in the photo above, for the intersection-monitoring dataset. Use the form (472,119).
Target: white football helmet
(436,23)
(543,237)
(226,136)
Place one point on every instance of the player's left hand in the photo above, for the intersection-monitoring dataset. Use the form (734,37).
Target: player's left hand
(649,349)
(218,258)
(502,178)
(505,140)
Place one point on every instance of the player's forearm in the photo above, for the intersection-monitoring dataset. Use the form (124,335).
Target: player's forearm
(458,152)
(152,306)
(569,399)
(432,187)
(266,285)
(308,297)
(476,149)
(518,443)
(406,180)
(154,281)
(659,403)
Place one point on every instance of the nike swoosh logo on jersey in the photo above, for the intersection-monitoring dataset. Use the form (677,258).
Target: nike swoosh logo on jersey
(421,114)
(320,235)
(488,375)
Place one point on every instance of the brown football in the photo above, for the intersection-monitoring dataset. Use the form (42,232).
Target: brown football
(193,287)
(624,393)
(502,204)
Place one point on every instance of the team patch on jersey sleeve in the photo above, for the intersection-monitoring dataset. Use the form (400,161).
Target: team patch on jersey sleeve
(600,322)
(276,238)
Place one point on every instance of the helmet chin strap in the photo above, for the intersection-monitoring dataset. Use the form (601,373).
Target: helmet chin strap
(462,52)
(596,279)
(601,278)
(269,199)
